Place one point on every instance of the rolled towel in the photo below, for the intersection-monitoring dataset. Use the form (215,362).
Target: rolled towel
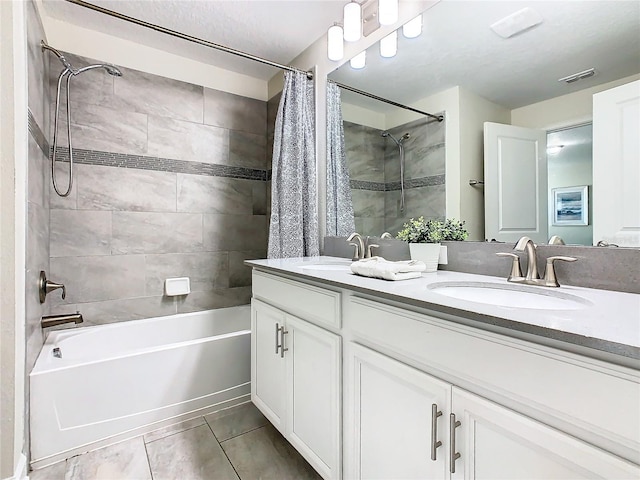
(378,267)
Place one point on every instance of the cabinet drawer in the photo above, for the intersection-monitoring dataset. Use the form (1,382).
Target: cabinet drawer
(584,397)
(319,305)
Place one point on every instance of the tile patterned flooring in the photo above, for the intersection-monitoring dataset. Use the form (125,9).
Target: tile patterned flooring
(234,444)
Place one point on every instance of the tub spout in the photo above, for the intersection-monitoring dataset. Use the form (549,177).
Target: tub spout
(53,320)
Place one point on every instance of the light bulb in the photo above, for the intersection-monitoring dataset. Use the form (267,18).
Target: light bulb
(359,61)
(335,46)
(387,12)
(352,22)
(413,28)
(389,45)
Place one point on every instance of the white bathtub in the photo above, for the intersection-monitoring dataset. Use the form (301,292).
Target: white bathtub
(129,378)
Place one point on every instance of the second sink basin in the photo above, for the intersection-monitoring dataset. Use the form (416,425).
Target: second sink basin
(508,295)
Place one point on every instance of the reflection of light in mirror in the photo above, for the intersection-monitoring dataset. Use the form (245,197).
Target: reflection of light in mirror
(554,149)
(413,28)
(387,12)
(335,46)
(389,45)
(352,22)
(359,61)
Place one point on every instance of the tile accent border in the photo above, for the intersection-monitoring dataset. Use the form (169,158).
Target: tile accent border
(141,162)
(429,181)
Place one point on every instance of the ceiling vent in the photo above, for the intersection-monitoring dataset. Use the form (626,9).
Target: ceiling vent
(517,22)
(578,76)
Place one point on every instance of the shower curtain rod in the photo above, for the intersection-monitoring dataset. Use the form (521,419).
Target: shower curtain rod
(189,38)
(390,102)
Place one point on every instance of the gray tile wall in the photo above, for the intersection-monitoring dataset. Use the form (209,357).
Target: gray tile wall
(374,167)
(170,182)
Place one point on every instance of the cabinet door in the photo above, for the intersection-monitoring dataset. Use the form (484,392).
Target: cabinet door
(313,379)
(497,443)
(389,425)
(267,365)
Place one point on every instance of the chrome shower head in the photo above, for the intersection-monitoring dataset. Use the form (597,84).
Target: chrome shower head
(406,136)
(384,134)
(112,70)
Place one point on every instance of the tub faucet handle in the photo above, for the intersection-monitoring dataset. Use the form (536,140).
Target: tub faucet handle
(47,286)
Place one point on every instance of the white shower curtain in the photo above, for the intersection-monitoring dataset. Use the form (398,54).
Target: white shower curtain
(340,221)
(293,231)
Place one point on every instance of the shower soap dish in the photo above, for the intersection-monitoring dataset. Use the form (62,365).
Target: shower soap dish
(177,286)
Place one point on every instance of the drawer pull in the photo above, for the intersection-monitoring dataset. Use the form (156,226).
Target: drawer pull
(453,455)
(283,332)
(278,346)
(435,443)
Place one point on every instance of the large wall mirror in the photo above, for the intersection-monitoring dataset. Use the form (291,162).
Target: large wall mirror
(404,165)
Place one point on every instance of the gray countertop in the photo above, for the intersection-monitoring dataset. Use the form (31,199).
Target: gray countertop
(604,325)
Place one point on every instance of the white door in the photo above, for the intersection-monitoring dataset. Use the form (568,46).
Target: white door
(389,419)
(313,358)
(267,364)
(616,165)
(497,443)
(515,183)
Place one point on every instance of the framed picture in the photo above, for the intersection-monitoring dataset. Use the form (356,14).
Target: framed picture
(571,205)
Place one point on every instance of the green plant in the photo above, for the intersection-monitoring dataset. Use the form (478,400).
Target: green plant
(432,231)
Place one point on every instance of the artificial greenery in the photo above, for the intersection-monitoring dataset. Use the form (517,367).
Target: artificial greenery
(432,231)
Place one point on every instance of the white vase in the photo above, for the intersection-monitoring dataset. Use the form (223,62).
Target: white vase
(427,252)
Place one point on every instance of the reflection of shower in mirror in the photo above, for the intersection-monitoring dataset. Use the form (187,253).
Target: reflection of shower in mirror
(399,143)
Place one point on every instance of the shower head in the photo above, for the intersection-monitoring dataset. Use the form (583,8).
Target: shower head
(406,136)
(111,69)
(384,134)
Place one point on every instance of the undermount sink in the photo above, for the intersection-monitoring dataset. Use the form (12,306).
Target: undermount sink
(508,295)
(344,267)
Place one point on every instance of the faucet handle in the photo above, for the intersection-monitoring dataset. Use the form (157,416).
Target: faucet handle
(369,248)
(516,271)
(386,235)
(550,279)
(356,253)
(46,286)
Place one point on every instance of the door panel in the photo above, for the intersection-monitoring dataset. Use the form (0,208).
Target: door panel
(389,419)
(515,183)
(497,443)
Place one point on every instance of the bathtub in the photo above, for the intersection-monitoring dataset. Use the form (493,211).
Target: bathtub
(120,380)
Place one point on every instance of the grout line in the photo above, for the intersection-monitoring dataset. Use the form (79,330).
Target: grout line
(147,454)
(222,448)
(243,433)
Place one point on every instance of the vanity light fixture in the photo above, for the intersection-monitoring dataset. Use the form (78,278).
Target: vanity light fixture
(389,45)
(578,76)
(554,149)
(413,28)
(352,22)
(359,61)
(387,12)
(335,45)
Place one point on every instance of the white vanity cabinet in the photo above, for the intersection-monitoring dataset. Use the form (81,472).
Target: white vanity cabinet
(296,375)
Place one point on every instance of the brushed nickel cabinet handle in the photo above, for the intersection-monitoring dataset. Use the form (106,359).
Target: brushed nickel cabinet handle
(453,455)
(283,332)
(435,443)
(277,338)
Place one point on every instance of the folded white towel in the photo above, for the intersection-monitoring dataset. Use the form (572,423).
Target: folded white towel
(378,267)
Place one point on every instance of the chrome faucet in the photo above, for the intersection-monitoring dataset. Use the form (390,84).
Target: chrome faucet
(525,244)
(53,320)
(359,252)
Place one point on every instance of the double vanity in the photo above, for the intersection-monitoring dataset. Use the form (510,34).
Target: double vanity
(450,375)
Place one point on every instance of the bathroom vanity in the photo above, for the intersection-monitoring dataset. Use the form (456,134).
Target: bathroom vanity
(425,379)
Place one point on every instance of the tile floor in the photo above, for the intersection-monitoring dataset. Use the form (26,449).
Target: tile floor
(236,443)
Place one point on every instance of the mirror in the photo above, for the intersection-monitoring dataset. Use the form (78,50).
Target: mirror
(462,69)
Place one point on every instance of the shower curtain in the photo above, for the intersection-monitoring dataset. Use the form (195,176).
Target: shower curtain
(340,221)
(293,231)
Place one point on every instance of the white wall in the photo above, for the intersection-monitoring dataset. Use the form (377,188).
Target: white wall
(13,152)
(88,43)
(363,116)
(474,111)
(563,111)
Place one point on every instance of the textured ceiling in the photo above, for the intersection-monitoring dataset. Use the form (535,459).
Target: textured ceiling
(457,47)
(276,30)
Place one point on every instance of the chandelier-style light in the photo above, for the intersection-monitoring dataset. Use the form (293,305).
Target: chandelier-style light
(413,28)
(335,45)
(387,12)
(389,45)
(352,22)
(359,61)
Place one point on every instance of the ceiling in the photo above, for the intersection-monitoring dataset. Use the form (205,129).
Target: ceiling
(276,30)
(457,47)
